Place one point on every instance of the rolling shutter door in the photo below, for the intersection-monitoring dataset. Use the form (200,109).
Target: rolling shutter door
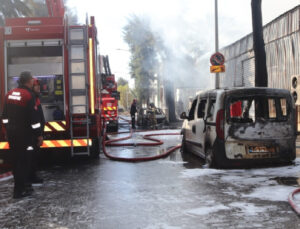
(248,72)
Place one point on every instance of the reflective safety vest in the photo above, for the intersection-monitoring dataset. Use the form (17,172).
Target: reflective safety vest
(20,114)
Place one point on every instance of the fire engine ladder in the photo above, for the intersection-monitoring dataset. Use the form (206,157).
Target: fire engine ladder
(78,82)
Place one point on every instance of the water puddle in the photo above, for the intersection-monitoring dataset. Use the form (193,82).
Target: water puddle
(290,181)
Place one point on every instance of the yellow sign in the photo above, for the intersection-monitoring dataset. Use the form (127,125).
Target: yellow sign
(217,68)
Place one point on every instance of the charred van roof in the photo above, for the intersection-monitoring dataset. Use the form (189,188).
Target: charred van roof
(243,90)
(258,90)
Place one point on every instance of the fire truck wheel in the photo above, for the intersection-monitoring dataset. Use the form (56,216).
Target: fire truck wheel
(95,148)
(116,128)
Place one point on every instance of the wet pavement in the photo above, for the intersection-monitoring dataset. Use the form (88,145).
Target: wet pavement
(174,192)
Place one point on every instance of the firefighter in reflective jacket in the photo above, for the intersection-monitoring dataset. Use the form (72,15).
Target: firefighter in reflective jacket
(23,129)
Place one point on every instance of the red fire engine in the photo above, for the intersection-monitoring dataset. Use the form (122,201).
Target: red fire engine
(109,96)
(65,60)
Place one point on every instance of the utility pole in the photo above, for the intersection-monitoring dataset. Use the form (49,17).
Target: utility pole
(217,80)
(261,74)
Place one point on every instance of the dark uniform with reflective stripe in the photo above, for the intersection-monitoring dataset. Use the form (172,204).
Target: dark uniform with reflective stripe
(133,110)
(23,126)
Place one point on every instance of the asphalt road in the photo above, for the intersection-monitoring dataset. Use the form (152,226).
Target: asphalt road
(174,192)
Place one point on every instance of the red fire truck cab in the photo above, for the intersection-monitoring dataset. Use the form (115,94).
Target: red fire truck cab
(64,58)
(109,96)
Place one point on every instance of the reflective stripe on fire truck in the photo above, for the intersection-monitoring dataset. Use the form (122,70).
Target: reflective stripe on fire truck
(55,126)
(110,108)
(47,129)
(56,143)
(4,145)
(91,47)
(65,143)
(107,117)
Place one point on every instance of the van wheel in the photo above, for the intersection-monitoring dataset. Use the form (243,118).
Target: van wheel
(210,158)
(183,148)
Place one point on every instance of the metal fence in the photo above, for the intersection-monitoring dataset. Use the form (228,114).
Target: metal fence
(282,45)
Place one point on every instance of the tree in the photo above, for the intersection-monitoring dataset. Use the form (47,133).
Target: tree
(30,8)
(126,96)
(261,74)
(13,8)
(121,81)
(37,8)
(143,65)
(71,12)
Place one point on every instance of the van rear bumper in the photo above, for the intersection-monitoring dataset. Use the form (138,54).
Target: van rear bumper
(286,153)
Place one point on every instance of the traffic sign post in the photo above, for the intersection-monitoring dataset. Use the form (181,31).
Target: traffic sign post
(217,68)
(217,61)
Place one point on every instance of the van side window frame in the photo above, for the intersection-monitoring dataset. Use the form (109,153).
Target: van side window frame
(192,110)
(211,104)
(201,107)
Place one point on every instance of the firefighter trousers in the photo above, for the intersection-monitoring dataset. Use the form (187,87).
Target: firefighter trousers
(21,159)
(34,164)
(133,121)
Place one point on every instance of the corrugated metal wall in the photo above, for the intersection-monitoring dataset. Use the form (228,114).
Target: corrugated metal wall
(282,45)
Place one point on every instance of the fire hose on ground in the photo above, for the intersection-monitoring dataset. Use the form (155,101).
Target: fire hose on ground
(154,142)
(105,143)
(6,175)
(291,200)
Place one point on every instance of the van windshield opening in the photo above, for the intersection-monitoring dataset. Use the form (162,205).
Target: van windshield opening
(257,108)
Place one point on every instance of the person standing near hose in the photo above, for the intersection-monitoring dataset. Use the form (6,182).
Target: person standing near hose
(34,179)
(23,129)
(133,110)
(152,115)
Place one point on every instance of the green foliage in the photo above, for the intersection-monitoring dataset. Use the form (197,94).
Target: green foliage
(126,96)
(30,8)
(37,8)
(71,13)
(121,81)
(143,65)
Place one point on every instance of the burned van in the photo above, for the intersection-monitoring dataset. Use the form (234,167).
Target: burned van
(241,127)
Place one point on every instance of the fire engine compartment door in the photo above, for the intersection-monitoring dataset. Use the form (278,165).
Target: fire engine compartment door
(44,59)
